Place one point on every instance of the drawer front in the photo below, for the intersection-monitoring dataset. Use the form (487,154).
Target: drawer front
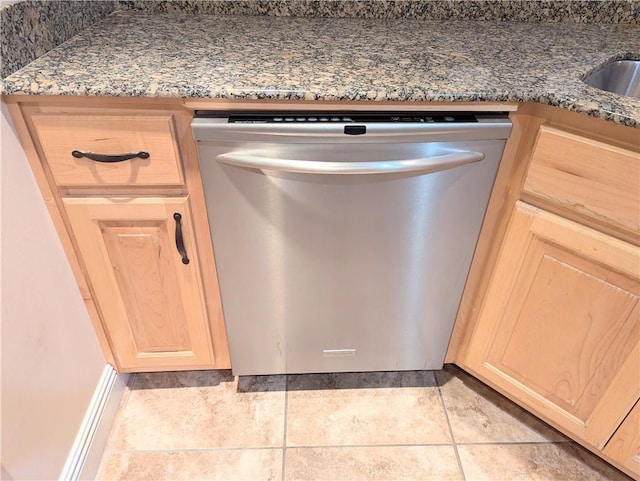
(589,177)
(59,135)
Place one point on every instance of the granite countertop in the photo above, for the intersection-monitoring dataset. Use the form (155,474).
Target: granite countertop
(137,54)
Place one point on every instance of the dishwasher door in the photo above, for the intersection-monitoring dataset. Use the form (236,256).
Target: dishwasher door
(343,253)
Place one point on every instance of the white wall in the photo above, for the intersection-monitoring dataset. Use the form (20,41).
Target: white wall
(50,357)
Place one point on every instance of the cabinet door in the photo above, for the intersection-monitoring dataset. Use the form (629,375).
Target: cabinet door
(559,329)
(624,446)
(151,302)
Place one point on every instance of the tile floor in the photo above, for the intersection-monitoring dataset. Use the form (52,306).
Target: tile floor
(443,425)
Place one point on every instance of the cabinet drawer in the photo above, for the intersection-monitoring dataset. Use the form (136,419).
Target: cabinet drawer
(588,177)
(60,134)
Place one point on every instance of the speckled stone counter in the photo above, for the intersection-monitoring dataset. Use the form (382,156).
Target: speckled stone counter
(30,28)
(578,11)
(261,57)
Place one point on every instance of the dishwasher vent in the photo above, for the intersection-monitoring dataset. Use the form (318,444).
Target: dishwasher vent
(341,117)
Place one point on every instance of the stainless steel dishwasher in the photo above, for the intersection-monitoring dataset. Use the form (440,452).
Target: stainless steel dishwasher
(343,240)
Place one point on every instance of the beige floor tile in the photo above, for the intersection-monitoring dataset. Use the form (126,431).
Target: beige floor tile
(202,409)
(534,462)
(228,465)
(437,463)
(478,414)
(365,409)
(115,426)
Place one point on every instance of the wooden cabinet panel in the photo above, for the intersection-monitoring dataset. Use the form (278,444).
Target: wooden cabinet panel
(624,446)
(591,178)
(560,325)
(60,134)
(151,302)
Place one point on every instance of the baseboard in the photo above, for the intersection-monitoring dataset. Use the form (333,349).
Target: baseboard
(85,455)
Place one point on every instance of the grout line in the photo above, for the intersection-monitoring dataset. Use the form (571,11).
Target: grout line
(453,439)
(284,434)
(512,443)
(110,446)
(131,385)
(335,446)
(303,446)
(196,450)
(117,425)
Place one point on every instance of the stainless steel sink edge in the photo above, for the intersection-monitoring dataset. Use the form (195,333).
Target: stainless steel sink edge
(619,75)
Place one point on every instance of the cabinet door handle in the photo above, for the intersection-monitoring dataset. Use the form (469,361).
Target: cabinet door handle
(110,157)
(179,241)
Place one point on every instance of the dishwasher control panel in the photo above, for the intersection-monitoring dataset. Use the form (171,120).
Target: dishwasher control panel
(341,117)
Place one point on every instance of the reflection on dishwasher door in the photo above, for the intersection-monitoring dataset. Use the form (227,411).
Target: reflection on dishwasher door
(344,245)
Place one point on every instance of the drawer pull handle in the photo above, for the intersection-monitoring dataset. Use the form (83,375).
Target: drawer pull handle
(110,158)
(179,241)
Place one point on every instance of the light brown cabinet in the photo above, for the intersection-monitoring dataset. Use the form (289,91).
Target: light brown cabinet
(590,179)
(557,326)
(61,134)
(121,181)
(560,327)
(149,293)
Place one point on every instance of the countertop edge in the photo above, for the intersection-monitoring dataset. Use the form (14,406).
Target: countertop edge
(282,96)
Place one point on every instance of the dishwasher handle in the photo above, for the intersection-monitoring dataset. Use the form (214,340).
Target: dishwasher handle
(424,165)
